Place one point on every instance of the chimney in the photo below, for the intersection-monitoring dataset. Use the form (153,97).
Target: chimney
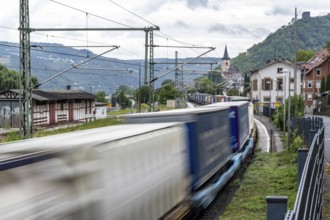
(68,87)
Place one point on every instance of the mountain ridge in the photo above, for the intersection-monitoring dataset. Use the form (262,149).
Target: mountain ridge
(312,34)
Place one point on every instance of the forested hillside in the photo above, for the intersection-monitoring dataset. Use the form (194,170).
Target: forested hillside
(312,34)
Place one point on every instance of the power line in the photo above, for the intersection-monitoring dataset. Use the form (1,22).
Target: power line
(75,66)
(73,55)
(74,39)
(168,36)
(68,6)
(133,13)
(8,28)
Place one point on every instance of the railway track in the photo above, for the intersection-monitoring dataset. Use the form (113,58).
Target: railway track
(219,204)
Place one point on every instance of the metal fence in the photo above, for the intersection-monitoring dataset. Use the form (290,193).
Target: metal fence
(309,200)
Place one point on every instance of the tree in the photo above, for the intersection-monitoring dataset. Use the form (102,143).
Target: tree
(166,92)
(323,86)
(167,81)
(127,90)
(123,101)
(100,97)
(10,79)
(144,92)
(233,92)
(297,110)
(327,84)
(304,55)
(246,83)
(204,85)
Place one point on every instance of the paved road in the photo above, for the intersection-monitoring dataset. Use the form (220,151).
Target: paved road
(326,121)
(326,205)
(277,144)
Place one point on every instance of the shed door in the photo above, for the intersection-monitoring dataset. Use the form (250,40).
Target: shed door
(52,113)
(71,112)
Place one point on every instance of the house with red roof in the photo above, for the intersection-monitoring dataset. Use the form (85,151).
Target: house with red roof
(313,71)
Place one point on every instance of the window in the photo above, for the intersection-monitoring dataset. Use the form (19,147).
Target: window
(267,84)
(318,85)
(255,85)
(310,84)
(279,84)
(309,96)
(266,98)
(279,70)
(318,71)
(279,99)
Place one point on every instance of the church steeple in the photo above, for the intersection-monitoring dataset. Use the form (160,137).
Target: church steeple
(225,61)
(225,54)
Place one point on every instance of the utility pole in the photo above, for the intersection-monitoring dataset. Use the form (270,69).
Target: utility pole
(295,54)
(176,79)
(139,93)
(151,73)
(25,71)
(146,57)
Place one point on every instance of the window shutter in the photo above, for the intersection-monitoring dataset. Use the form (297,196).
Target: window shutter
(263,84)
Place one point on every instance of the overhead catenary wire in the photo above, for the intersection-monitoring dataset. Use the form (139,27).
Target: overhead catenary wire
(89,13)
(74,8)
(75,66)
(80,56)
(133,13)
(73,55)
(179,66)
(167,36)
(74,39)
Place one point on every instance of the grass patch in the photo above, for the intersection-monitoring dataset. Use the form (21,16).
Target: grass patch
(144,108)
(12,136)
(88,125)
(15,136)
(268,174)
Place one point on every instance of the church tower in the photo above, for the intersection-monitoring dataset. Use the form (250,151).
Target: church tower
(225,61)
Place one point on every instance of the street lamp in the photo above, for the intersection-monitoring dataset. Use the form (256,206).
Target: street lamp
(289,106)
(270,98)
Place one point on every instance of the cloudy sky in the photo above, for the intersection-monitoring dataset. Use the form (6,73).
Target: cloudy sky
(207,23)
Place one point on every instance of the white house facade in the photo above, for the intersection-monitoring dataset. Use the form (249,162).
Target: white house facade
(273,83)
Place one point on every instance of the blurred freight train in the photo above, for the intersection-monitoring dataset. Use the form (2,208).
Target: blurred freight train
(206,99)
(161,166)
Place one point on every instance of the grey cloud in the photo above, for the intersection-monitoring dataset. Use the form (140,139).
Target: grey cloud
(238,29)
(181,24)
(197,3)
(276,10)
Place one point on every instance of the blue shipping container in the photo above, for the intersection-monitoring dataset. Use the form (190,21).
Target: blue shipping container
(239,122)
(208,138)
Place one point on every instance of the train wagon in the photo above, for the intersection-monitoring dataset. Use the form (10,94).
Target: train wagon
(208,138)
(239,122)
(116,172)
